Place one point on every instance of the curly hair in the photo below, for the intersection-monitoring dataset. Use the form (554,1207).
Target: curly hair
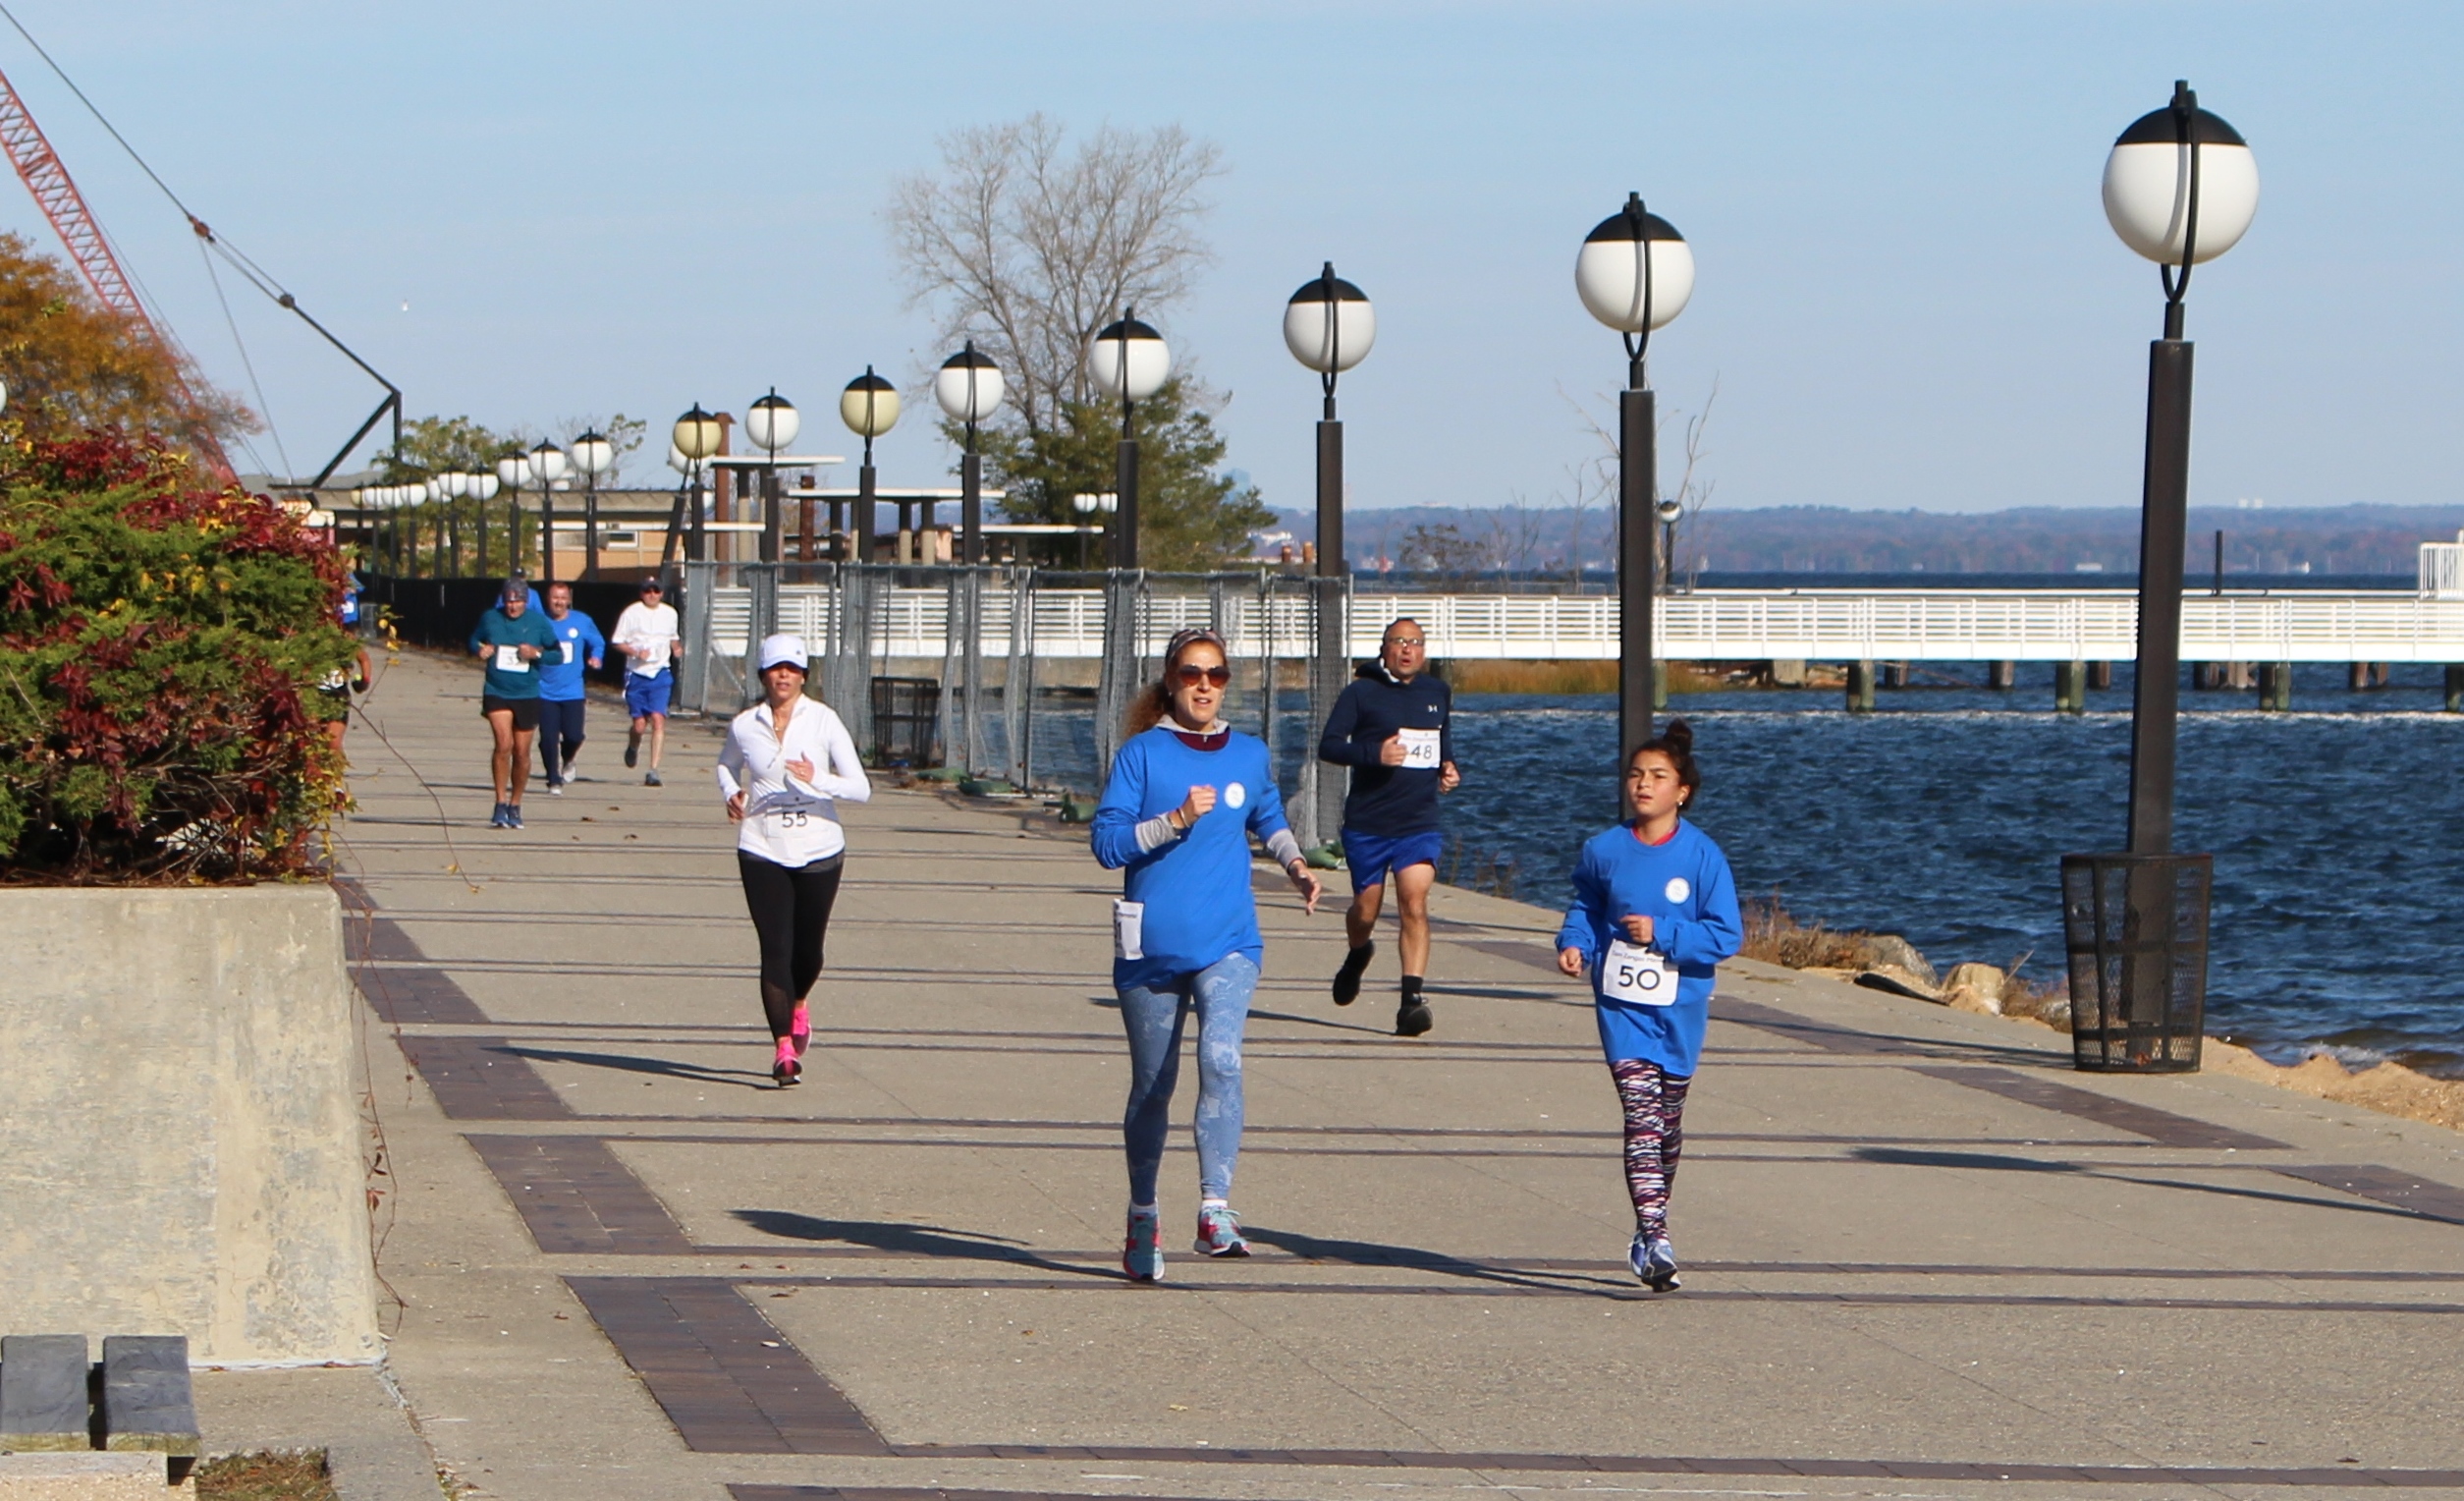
(1150,706)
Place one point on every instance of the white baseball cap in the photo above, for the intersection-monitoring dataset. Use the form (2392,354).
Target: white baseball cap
(783,648)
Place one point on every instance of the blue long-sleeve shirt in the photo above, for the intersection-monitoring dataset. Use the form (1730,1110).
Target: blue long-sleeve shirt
(1684,887)
(1199,904)
(577,640)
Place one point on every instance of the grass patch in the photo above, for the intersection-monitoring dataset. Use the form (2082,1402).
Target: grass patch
(1774,937)
(268,1475)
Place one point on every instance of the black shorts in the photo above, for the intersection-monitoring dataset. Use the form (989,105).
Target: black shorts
(526,711)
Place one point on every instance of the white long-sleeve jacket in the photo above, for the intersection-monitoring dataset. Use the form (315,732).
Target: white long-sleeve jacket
(790,821)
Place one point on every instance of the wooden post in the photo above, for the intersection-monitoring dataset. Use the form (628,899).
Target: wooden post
(2071,688)
(1860,688)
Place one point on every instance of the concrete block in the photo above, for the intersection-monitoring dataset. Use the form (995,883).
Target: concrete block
(181,1151)
(90,1476)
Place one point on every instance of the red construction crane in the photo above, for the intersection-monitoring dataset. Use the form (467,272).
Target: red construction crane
(56,195)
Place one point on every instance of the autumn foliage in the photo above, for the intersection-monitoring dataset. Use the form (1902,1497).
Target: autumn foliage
(160,648)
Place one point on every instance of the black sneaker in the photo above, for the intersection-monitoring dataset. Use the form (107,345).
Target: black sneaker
(1348,979)
(632,751)
(1413,1018)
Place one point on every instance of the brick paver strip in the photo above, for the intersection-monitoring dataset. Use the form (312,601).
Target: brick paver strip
(2354,1477)
(2120,1114)
(478,1078)
(2409,1192)
(578,1199)
(728,1379)
(408,996)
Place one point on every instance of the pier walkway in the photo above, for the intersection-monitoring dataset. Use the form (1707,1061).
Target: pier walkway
(1923,1257)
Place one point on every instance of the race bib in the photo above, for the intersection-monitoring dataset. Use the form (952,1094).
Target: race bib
(509,659)
(568,650)
(1636,976)
(1420,748)
(1128,924)
(783,818)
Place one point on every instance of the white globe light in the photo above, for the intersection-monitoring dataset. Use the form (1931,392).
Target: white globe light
(2148,181)
(593,455)
(697,434)
(771,421)
(968,386)
(1329,326)
(1129,360)
(676,459)
(547,460)
(433,490)
(869,405)
(1635,271)
(510,469)
(484,486)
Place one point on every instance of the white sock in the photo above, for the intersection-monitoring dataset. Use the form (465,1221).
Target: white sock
(1142,1208)
(1214,1203)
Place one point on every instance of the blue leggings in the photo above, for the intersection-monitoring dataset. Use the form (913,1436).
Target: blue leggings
(1153,1017)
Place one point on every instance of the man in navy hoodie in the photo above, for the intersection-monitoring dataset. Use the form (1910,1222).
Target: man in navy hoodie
(1393,728)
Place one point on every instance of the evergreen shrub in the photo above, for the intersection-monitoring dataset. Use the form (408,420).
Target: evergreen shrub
(160,645)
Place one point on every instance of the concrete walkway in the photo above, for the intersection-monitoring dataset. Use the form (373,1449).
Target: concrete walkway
(1923,1257)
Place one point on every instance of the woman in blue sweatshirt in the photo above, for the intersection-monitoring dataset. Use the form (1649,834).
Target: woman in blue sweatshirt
(1186,792)
(1654,912)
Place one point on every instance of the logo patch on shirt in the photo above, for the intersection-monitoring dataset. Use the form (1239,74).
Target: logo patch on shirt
(1677,890)
(1236,795)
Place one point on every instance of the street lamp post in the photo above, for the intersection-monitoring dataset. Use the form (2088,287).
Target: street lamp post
(1129,358)
(548,465)
(969,388)
(1328,327)
(869,405)
(594,456)
(772,423)
(697,438)
(1668,511)
(512,472)
(1636,273)
(2180,186)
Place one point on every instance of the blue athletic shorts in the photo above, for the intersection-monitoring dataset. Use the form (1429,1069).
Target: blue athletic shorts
(645,696)
(1370,856)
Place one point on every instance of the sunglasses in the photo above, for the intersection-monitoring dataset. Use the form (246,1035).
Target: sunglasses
(1220,675)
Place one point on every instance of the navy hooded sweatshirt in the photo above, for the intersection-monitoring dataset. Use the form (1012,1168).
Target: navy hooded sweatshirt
(1387,800)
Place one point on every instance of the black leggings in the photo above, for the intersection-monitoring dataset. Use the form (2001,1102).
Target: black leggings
(790,911)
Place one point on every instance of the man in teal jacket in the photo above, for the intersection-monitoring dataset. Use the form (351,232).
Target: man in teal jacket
(511,639)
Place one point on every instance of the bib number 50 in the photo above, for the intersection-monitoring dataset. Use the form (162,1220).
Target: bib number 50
(1637,976)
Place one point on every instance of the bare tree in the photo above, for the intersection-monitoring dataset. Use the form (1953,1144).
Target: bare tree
(1029,248)
(1596,478)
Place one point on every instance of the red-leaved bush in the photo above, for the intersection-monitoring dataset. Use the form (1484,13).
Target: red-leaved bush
(160,645)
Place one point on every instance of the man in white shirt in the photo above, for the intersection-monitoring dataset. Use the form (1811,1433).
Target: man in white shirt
(652,640)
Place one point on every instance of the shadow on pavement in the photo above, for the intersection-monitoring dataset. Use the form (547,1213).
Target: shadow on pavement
(741,1079)
(908,1239)
(1413,1258)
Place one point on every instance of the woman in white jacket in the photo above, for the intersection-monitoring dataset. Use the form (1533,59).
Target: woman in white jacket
(786,765)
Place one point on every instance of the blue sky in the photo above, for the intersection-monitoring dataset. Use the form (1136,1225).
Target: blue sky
(1907,295)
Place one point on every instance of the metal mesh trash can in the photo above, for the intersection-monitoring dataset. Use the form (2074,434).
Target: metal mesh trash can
(2136,930)
(905,713)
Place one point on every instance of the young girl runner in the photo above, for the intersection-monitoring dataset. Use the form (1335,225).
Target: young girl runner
(1654,912)
(1186,792)
(786,765)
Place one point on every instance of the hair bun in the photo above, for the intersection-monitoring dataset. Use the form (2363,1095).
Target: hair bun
(1680,736)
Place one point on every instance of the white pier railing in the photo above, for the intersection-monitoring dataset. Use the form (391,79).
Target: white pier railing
(1709,624)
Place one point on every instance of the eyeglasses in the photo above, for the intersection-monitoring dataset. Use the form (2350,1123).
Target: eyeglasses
(1191,673)
(1413,641)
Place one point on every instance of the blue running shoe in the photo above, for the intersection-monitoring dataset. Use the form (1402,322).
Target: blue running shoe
(496,820)
(1655,1262)
(1142,1254)
(513,815)
(1219,1233)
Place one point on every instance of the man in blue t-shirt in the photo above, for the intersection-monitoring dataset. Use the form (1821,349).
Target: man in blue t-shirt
(511,640)
(1394,728)
(579,646)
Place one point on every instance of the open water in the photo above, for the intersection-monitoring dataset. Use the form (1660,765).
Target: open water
(2337,831)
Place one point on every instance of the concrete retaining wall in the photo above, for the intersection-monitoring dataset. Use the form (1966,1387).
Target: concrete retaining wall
(179,1148)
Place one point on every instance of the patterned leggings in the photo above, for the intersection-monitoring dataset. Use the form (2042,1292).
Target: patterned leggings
(1654,1134)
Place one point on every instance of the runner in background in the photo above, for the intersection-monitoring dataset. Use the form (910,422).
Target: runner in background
(511,639)
(786,765)
(1186,792)
(652,640)
(579,646)
(1393,726)
(1654,912)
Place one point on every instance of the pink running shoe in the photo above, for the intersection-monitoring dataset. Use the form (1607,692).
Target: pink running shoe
(785,1071)
(800,1030)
